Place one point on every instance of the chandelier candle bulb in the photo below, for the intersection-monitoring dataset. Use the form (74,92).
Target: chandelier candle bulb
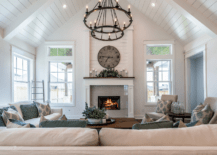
(95,23)
(116,3)
(100,28)
(87,8)
(129,8)
(99,3)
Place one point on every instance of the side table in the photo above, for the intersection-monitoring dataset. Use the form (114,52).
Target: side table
(183,116)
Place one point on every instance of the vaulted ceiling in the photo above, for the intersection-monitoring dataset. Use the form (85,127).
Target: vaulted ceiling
(172,19)
(34,20)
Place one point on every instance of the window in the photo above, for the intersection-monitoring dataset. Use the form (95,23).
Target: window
(159,50)
(158,79)
(60,51)
(21,79)
(61,82)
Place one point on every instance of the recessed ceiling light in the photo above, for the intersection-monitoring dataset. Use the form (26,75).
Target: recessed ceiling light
(153,4)
(64,6)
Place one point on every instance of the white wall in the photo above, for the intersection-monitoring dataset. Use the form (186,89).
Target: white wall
(144,29)
(5,66)
(212,68)
(211,57)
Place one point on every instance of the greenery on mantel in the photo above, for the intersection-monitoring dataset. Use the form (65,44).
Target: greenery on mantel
(93,113)
(109,73)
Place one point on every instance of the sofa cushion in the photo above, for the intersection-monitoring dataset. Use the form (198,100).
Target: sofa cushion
(183,125)
(29,111)
(164,118)
(17,105)
(161,137)
(47,137)
(214,119)
(63,118)
(11,114)
(155,115)
(36,121)
(43,109)
(21,123)
(163,106)
(191,124)
(2,124)
(63,123)
(146,119)
(154,125)
(14,125)
(205,115)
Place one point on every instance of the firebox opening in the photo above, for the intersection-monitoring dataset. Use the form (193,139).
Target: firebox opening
(109,102)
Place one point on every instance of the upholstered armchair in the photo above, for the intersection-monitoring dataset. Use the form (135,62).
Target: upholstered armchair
(155,115)
(212,101)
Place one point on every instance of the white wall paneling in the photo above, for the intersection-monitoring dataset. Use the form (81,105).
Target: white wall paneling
(125,47)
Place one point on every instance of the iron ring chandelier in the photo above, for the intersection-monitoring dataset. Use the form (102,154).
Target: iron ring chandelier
(113,30)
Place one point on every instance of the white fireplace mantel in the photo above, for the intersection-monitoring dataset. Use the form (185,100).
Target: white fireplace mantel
(113,82)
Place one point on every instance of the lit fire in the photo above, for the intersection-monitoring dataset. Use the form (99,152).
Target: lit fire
(110,105)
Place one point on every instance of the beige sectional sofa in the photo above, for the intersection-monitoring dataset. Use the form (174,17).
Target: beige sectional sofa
(83,141)
(55,113)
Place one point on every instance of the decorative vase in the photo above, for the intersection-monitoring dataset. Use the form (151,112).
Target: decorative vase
(94,121)
(104,121)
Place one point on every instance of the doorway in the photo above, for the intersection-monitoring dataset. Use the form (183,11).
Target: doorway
(195,70)
(197,80)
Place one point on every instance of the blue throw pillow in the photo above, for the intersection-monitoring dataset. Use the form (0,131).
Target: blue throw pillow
(176,125)
(20,123)
(29,111)
(1,112)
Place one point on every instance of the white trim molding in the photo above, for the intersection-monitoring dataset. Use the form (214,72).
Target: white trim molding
(188,55)
(112,82)
(72,59)
(159,57)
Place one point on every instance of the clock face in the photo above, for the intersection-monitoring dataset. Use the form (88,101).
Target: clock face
(109,57)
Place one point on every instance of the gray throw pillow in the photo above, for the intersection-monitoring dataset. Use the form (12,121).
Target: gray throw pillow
(43,110)
(63,124)
(163,106)
(205,115)
(154,125)
(29,111)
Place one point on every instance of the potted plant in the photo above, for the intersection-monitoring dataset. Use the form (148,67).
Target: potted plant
(94,115)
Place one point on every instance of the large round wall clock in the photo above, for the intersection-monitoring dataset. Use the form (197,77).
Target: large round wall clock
(109,57)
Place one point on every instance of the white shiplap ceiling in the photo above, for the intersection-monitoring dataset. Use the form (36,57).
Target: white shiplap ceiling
(48,21)
(169,18)
(54,16)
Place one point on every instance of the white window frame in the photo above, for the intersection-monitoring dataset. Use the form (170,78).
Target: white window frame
(31,68)
(61,44)
(170,57)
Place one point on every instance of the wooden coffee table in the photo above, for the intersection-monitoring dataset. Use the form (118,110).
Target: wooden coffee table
(183,116)
(120,123)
